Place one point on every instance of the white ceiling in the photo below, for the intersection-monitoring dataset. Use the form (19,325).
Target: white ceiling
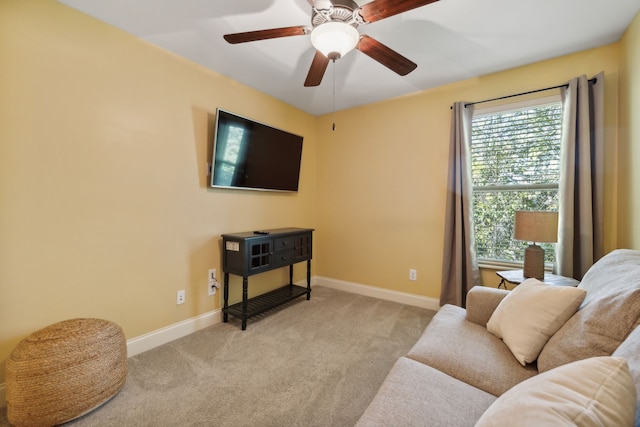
(450,40)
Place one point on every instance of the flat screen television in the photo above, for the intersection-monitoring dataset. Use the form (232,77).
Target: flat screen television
(253,156)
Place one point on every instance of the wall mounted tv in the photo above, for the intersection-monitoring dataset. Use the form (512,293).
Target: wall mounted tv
(253,156)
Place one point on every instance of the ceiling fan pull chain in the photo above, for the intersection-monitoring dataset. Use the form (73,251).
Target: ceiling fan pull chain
(334,96)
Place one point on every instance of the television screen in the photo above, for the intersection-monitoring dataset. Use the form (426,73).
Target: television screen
(253,156)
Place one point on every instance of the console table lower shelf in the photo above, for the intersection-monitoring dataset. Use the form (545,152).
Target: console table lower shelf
(261,303)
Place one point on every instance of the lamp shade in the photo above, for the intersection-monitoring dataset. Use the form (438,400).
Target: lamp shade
(536,226)
(334,39)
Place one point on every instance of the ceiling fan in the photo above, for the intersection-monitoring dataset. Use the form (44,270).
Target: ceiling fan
(334,33)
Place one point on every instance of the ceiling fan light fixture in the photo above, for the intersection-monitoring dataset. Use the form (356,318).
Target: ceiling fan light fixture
(334,39)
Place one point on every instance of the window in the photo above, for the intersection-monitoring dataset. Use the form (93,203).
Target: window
(232,140)
(515,155)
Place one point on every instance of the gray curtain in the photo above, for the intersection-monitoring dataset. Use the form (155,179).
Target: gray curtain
(580,221)
(459,267)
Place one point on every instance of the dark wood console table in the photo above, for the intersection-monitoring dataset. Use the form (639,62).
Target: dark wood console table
(253,252)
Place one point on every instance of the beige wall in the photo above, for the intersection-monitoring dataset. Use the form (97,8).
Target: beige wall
(382,174)
(629,230)
(104,205)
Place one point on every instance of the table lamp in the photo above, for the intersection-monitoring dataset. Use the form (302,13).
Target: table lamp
(535,226)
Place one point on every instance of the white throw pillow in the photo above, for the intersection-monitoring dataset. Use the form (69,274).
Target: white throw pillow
(592,392)
(531,313)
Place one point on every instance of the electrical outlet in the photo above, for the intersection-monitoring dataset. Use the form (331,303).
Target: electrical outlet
(413,274)
(212,287)
(180,297)
(212,282)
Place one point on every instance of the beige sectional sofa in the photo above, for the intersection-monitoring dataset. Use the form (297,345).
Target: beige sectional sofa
(585,371)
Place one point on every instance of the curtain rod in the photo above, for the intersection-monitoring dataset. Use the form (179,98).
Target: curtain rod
(592,81)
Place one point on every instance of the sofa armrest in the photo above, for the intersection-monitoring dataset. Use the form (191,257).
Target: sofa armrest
(481,302)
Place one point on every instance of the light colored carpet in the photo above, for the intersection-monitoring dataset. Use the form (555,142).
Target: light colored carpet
(310,363)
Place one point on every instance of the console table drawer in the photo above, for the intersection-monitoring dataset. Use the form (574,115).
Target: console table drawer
(282,258)
(283,243)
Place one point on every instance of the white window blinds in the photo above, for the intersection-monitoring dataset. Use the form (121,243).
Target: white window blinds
(515,166)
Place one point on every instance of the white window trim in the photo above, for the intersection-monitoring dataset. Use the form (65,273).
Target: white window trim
(505,108)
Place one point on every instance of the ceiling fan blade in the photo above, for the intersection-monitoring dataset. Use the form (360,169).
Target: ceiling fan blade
(316,72)
(380,9)
(273,33)
(385,55)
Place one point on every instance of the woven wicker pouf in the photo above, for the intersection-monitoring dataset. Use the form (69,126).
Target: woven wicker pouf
(64,371)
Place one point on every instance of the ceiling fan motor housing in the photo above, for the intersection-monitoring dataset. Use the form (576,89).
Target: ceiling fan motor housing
(342,11)
(335,26)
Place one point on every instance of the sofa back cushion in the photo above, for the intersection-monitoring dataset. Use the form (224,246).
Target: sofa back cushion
(608,314)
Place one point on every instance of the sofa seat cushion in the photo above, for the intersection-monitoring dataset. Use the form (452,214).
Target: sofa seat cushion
(608,314)
(468,352)
(414,394)
(593,392)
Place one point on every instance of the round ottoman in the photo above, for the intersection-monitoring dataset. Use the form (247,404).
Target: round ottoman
(64,371)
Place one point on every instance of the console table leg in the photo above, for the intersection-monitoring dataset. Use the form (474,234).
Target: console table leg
(291,275)
(308,279)
(225,315)
(245,298)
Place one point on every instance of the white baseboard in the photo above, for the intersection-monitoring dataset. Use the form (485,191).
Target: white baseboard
(170,333)
(380,293)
